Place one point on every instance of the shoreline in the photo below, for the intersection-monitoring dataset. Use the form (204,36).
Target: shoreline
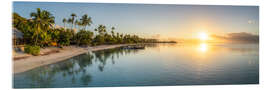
(32,62)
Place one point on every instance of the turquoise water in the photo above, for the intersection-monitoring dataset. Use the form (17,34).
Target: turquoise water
(157,64)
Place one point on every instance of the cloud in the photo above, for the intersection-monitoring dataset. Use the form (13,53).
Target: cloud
(242,37)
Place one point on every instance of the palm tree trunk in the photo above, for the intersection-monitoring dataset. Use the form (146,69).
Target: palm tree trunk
(37,32)
(71,26)
(64,26)
(36,40)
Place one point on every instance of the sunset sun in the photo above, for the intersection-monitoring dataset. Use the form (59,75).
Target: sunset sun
(203,36)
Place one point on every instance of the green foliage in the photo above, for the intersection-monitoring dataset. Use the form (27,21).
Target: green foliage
(55,34)
(65,37)
(36,30)
(34,50)
(109,39)
(85,21)
(44,39)
(41,21)
(64,21)
(72,20)
(18,21)
(104,37)
(98,40)
(101,30)
(84,37)
(40,31)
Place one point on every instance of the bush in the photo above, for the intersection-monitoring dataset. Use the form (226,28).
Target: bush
(34,50)
(65,38)
(98,40)
(84,37)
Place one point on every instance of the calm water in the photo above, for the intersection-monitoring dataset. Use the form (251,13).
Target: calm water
(157,64)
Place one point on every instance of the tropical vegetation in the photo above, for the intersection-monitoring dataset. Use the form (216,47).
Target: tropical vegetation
(40,31)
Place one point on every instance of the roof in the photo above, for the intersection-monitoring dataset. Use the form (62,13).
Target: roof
(16,33)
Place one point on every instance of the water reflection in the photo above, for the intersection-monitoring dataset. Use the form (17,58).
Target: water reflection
(203,47)
(157,64)
(244,49)
(74,69)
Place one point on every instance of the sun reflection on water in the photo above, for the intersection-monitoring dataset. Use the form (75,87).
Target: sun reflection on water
(203,47)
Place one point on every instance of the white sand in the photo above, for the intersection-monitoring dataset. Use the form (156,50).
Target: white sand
(32,62)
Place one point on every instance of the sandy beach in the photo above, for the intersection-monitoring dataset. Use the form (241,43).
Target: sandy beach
(32,62)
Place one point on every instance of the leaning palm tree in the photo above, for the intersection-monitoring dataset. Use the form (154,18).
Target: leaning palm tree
(64,21)
(86,21)
(42,20)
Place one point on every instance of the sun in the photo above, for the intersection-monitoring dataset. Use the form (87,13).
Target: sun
(203,36)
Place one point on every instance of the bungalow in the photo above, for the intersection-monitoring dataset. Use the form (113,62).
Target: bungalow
(17,37)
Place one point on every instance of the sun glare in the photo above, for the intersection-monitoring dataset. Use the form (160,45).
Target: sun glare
(203,36)
(203,47)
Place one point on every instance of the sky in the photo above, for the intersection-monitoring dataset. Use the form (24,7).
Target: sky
(155,20)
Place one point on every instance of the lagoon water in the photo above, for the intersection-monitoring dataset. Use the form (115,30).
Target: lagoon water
(157,64)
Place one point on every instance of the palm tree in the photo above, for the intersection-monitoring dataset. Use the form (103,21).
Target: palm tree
(101,30)
(113,28)
(17,20)
(86,21)
(64,21)
(41,20)
(72,19)
(77,23)
(70,22)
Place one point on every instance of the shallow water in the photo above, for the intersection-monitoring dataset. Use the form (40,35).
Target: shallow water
(157,64)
